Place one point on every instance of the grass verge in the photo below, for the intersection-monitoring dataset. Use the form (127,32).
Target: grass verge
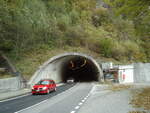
(119,87)
(3,76)
(137,112)
(142,99)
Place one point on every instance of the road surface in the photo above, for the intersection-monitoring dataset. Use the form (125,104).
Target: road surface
(29,100)
(103,100)
(67,99)
(74,98)
(66,102)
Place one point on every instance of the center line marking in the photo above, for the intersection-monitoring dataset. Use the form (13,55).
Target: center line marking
(46,100)
(80,103)
(83,100)
(77,107)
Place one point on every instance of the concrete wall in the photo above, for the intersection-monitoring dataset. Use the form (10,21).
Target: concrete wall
(13,83)
(141,72)
(50,71)
(106,66)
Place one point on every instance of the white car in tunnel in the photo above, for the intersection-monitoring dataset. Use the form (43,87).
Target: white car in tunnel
(70,80)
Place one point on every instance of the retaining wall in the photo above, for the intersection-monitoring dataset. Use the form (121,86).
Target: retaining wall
(141,72)
(13,83)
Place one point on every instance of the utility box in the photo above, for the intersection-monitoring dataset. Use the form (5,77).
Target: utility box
(125,73)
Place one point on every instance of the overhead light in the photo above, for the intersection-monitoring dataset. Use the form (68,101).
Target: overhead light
(84,63)
(72,64)
(73,67)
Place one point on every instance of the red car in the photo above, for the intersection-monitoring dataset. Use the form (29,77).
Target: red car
(44,86)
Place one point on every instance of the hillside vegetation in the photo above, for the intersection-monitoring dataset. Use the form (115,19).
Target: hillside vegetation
(30,30)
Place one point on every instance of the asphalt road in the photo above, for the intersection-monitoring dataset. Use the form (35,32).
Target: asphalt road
(18,104)
(68,101)
(75,98)
(104,100)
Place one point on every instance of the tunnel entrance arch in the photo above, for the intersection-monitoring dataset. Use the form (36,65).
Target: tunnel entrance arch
(80,67)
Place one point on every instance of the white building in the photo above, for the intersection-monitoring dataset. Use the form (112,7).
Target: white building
(125,74)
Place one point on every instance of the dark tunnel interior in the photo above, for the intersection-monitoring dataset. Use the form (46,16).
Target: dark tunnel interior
(80,69)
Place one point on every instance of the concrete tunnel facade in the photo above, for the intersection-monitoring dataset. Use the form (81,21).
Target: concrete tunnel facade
(80,67)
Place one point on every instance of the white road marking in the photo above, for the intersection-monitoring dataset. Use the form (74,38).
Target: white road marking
(72,112)
(80,103)
(77,107)
(31,106)
(44,100)
(83,100)
(15,98)
(59,84)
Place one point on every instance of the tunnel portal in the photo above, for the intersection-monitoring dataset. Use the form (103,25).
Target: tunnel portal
(80,69)
(77,66)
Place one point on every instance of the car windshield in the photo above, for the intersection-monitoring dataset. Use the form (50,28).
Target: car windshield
(43,83)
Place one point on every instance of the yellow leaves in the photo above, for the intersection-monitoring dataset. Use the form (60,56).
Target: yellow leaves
(142,99)
(84,4)
(119,87)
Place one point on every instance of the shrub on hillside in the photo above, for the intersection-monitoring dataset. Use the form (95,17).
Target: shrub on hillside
(118,51)
(106,47)
(100,16)
(133,51)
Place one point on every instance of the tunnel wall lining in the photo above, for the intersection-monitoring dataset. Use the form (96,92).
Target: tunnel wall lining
(55,58)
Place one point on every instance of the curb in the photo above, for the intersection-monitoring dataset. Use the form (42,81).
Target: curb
(12,94)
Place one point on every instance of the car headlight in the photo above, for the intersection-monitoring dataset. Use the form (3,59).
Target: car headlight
(44,88)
